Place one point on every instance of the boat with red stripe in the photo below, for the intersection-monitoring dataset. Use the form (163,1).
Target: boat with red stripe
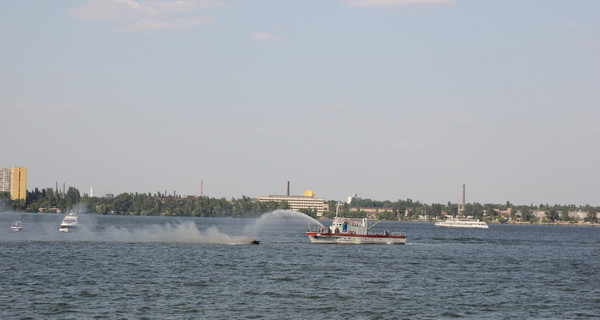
(354,231)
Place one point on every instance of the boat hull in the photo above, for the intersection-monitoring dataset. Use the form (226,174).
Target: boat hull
(16,226)
(66,228)
(344,238)
(464,226)
(461,222)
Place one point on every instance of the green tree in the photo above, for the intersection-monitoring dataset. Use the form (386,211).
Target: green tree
(564,215)
(592,216)
(123,203)
(435,210)
(72,197)
(5,201)
(528,215)
(552,215)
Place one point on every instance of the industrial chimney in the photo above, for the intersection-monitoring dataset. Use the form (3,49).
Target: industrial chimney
(463,199)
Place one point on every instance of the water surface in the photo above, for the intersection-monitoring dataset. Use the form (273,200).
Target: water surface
(121,267)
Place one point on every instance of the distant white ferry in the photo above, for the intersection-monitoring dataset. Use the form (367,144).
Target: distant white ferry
(461,222)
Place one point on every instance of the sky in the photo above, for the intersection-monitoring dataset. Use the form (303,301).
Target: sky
(388,99)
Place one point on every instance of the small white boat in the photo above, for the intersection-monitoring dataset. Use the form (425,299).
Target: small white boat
(16,226)
(354,231)
(462,222)
(69,223)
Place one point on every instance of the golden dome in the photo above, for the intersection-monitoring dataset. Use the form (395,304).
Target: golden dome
(309,193)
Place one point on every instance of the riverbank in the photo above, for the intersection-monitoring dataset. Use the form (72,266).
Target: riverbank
(574,224)
(518,223)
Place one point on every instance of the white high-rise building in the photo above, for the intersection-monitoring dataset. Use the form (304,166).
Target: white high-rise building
(4,180)
(352,197)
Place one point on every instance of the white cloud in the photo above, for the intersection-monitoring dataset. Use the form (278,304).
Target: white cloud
(391,3)
(137,15)
(264,37)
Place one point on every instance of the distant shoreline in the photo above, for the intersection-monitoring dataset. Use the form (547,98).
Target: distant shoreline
(558,224)
(578,224)
(567,224)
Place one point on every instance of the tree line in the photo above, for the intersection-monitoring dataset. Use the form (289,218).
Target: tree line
(49,200)
(410,210)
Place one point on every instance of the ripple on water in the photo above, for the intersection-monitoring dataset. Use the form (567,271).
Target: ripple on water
(503,273)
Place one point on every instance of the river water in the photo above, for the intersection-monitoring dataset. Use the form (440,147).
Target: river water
(123,267)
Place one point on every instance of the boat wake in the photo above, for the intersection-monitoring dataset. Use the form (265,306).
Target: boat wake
(186,232)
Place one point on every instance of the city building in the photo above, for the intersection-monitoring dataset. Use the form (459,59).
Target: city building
(14,180)
(306,201)
(354,196)
(4,180)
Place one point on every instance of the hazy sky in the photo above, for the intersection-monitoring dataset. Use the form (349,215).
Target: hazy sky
(389,99)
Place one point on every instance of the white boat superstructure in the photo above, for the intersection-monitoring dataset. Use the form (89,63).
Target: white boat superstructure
(354,231)
(16,226)
(462,222)
(69,223)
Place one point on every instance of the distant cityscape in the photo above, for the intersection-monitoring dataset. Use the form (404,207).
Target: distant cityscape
(14,181)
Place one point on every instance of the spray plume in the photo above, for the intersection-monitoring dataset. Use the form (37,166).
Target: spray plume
(186,232)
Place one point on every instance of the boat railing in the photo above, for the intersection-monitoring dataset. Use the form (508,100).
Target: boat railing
(318,229)
(402,234)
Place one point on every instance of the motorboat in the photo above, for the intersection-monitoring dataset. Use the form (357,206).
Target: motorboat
(354,231)
(69,222)
(462,222)
(16,226)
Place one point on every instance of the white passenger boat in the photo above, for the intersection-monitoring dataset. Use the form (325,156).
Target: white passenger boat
(69,223)
(354,231)
(16,226)
(462,222)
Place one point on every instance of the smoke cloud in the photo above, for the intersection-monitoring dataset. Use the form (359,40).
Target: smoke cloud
(186,232)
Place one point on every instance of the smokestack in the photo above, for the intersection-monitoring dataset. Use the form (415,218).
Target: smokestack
(463,197)
(288,189)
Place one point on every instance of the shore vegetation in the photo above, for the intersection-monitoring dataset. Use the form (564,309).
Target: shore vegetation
(49,200)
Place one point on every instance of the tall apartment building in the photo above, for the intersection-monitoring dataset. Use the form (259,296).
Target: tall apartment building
(4,180)
(14,180)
